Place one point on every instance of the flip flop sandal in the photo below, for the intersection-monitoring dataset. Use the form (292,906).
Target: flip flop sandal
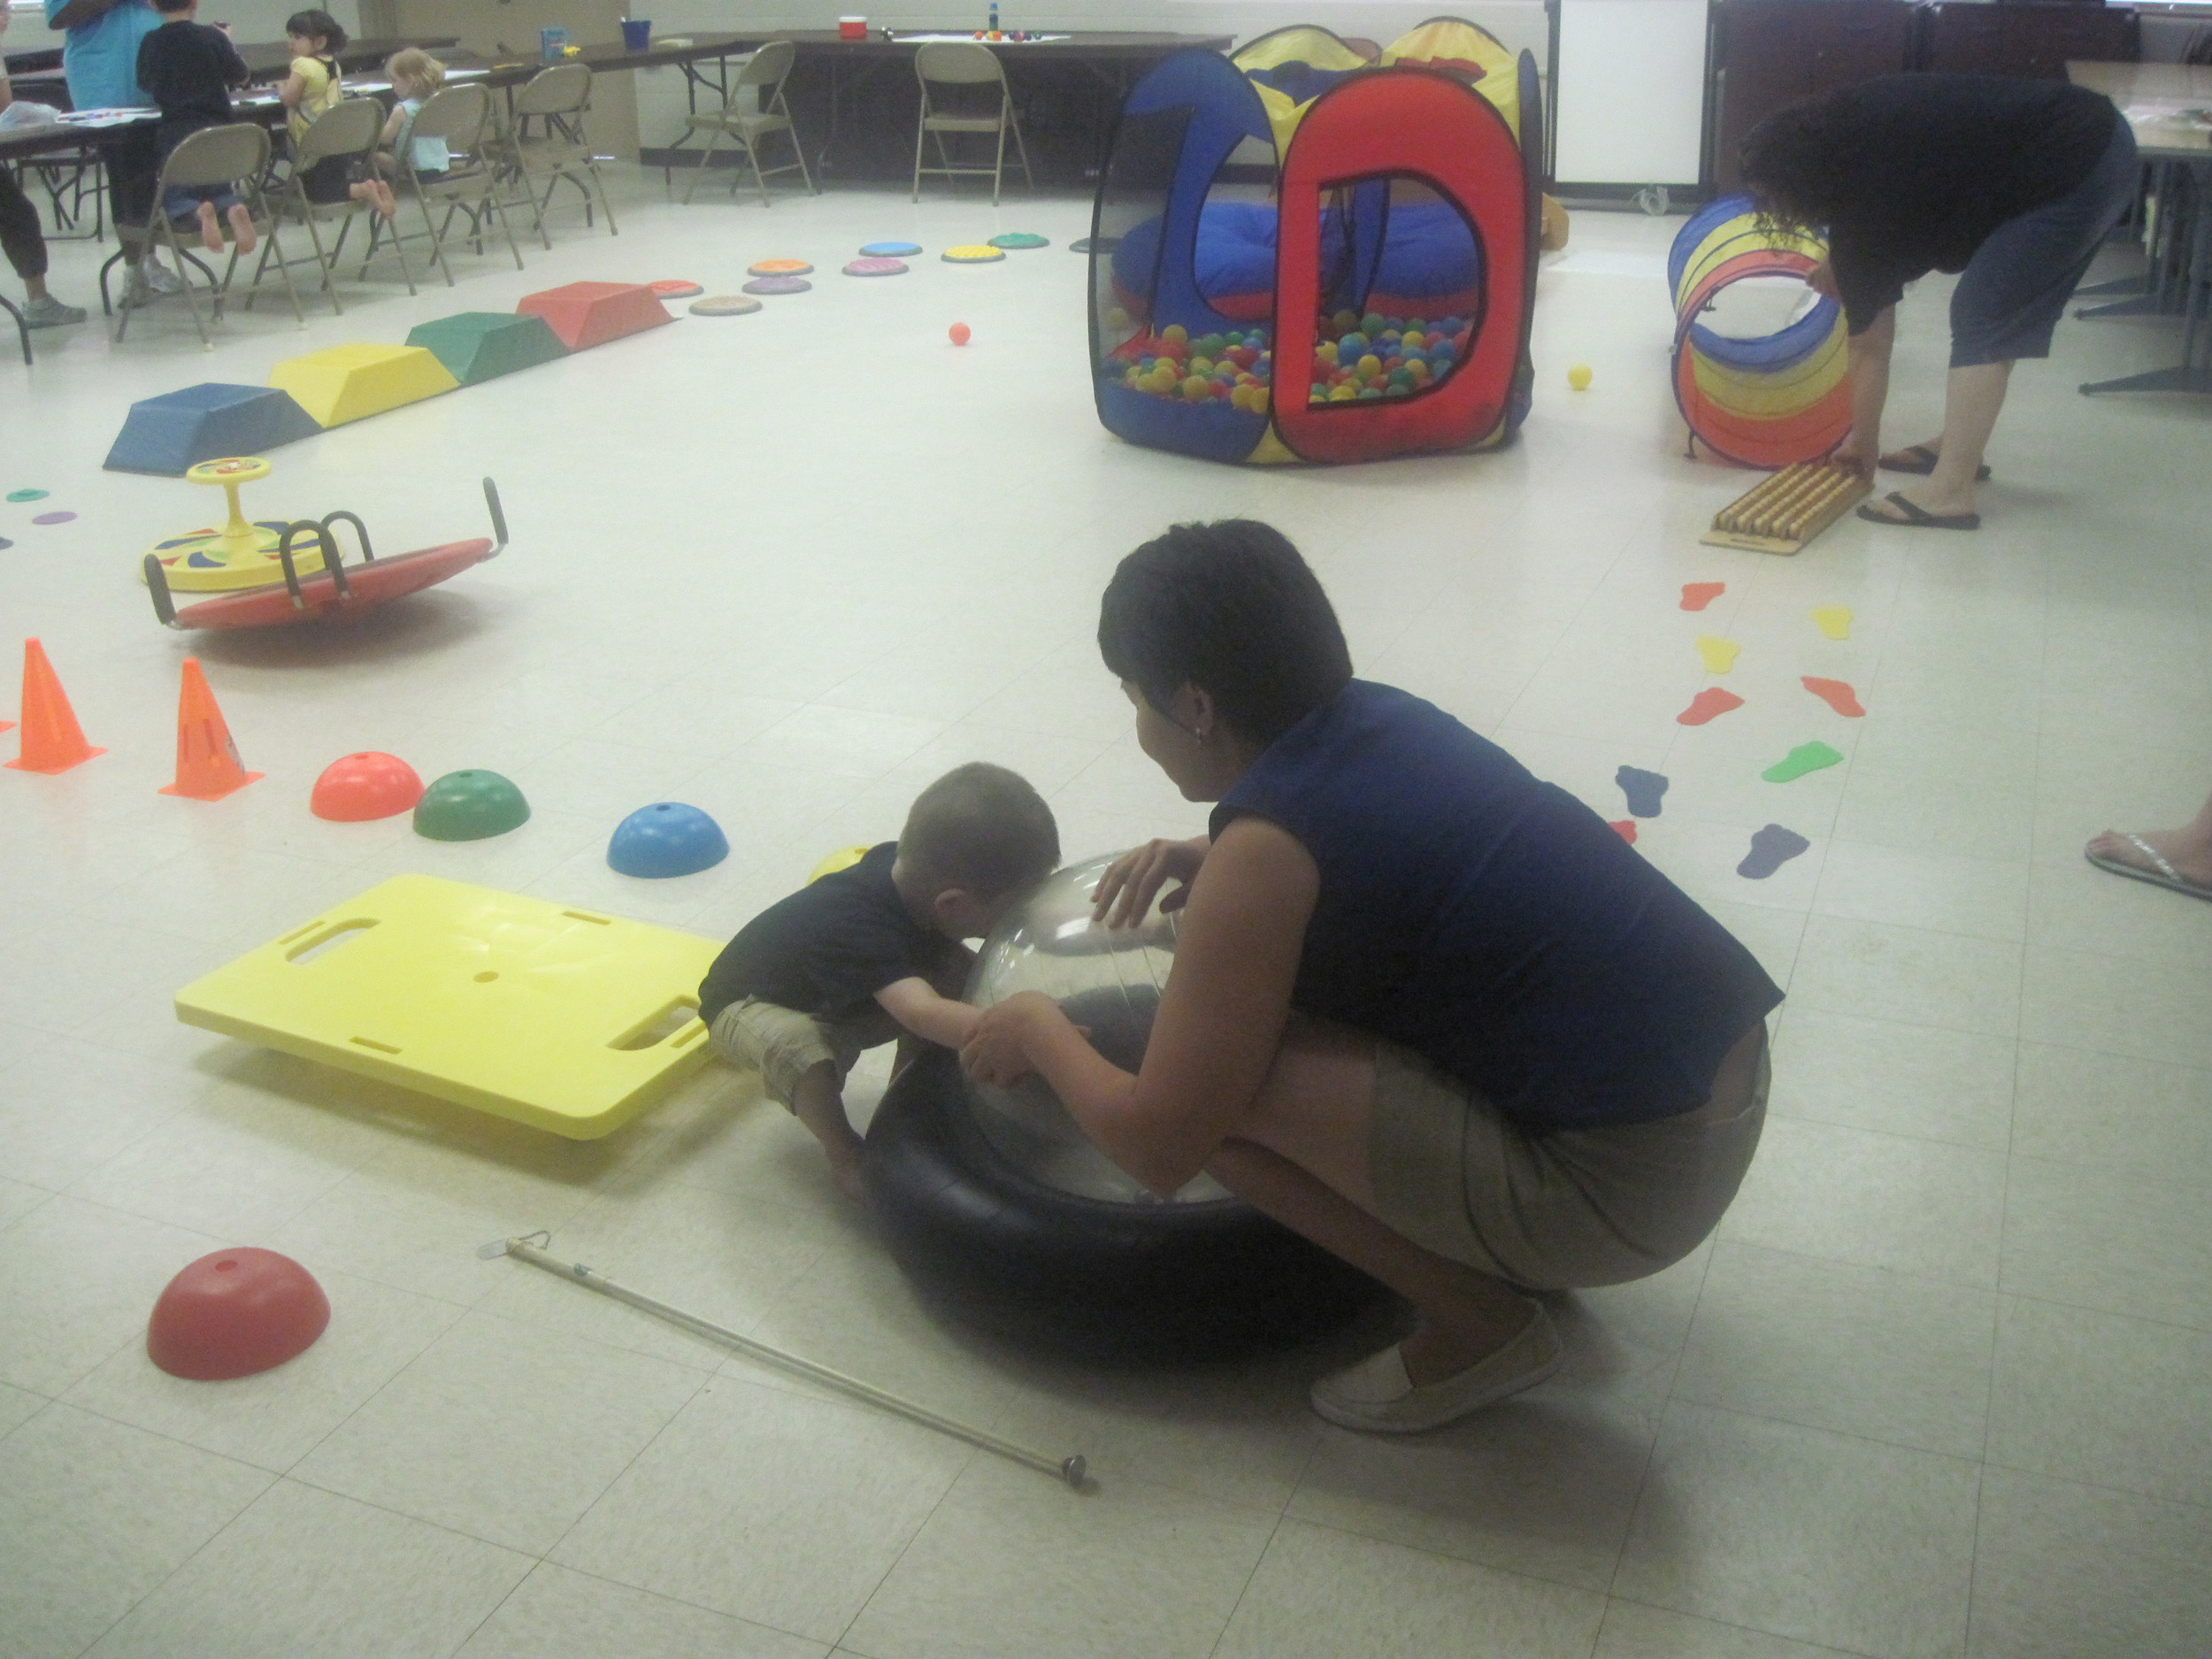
(1918,518)
(2164,876)
(1920,460)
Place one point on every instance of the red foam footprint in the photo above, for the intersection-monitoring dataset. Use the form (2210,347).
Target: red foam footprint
(1697,595)
(1625,828)
(1708,705)
(1837,694)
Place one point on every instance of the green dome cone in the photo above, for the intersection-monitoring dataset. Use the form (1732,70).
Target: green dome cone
(468,806)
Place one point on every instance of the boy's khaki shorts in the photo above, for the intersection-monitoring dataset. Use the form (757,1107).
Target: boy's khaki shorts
(783,1045)
(1569,1211)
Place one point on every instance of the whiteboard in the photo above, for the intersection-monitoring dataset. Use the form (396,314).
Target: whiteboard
(1631,91)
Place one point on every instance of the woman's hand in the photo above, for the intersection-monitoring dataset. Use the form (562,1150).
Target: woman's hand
(998,1051)
(1821,280)
(1125,892)
(1855,457)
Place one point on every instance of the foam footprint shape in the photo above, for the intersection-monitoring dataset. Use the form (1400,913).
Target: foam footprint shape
(1772,847)
(1836,693)
(1834,620)
(1697,595)
(1708,705)
(1813,757)
(1717,655)
(1624,827)
(1643,789)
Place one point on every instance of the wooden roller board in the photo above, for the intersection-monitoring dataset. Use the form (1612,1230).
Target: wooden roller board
(1782,513)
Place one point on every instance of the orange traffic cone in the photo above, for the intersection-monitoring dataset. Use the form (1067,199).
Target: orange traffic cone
(208,767)
(51,738)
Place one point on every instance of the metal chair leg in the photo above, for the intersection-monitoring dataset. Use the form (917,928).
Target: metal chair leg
(692,189)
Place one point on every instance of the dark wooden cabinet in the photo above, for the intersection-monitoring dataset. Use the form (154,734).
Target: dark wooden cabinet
(1772,52)
(1973,37)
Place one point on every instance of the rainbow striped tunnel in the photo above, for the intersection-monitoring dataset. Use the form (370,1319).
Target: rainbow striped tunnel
(1770,401)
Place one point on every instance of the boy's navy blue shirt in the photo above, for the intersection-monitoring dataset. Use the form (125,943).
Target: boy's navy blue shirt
(188,69)
(828,949)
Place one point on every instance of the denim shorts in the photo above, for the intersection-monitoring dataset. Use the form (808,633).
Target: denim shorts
(2015,289)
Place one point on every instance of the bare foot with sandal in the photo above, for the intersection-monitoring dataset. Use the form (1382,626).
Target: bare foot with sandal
(2179,859)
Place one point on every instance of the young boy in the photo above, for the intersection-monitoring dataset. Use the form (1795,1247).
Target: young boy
(188,69)
(872,953)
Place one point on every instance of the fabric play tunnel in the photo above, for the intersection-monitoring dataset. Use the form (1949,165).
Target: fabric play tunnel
(1769,401)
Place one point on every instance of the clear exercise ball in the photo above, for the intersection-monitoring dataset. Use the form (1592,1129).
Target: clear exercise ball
(1109,981)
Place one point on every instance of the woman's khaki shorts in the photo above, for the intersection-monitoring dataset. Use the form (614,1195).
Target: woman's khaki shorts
(1571,1209)
(783,1045)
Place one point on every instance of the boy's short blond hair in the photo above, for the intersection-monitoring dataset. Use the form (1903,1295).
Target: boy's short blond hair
(415,67)
(981,827)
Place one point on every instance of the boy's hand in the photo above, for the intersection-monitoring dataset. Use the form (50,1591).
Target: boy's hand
(995,1053)
(1125,892)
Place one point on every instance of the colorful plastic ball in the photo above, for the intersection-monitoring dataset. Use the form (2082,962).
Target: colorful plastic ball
(958,333)
(1195,389)
(235,1312)
(1176,334)
(1352,344)
(666,839)
(354,789)
(1370,391)
(470,806)
(1370,365)
(1116,318)
(1341,393)
(1578,377)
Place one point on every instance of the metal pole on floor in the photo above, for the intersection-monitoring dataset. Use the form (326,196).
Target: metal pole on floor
(1068,1470)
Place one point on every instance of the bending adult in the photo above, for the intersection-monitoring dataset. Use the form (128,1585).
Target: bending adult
(2012,183)
(1426,1011)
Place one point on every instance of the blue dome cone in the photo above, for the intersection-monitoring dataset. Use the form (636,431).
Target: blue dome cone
(666,839)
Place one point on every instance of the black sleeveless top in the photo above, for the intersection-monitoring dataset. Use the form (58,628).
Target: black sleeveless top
(1495,925)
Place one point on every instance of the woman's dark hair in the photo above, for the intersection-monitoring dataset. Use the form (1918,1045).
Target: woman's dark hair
(1230,607)
(308,25)
(1806,161)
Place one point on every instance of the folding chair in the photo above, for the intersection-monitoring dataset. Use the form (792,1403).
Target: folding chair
(458,115)
(965,63)
(233,157)
(746,119)
(22,328)
(556,99)
(349,127)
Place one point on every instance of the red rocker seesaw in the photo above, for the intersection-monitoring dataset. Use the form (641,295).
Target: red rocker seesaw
(242,559)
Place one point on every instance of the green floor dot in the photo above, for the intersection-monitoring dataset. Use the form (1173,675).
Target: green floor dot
(1805,757)
(27,495)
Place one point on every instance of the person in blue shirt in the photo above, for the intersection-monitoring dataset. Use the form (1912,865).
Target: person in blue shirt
(100,59)
(1426,1011)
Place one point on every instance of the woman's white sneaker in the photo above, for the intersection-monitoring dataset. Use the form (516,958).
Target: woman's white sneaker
(1377,1396)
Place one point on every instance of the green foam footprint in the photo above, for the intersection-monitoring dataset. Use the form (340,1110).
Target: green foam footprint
(1805,757)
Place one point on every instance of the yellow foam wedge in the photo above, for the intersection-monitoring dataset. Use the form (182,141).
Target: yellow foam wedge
(343,383)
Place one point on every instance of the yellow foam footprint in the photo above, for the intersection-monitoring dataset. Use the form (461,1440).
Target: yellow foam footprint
(1717,655)
(1834,620)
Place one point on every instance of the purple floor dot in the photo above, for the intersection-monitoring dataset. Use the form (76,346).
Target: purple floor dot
(5,544)
(54,517)
(778,285)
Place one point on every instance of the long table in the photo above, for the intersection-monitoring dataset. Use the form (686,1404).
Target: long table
(2177,152)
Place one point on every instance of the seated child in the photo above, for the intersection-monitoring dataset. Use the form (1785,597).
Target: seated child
(188,69)
(871,953)
(414,75)
(311,91)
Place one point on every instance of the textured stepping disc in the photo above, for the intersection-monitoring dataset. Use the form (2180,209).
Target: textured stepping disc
(876,267)
(725,305)
(778,285)
(972,253)
(780,267)
(675,288)
(1021,239)
(891,250)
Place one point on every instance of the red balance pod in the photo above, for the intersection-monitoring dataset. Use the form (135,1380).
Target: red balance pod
(235,1312)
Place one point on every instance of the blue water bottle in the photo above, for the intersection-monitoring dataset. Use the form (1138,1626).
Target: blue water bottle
(993,26)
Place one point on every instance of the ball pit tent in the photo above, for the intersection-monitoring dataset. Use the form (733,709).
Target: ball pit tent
(1295,217)
(1772,400)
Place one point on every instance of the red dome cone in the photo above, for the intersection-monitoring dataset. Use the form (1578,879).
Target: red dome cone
(235,1312)
(354,789)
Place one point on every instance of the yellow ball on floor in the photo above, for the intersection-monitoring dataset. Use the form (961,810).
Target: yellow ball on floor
(1578,377)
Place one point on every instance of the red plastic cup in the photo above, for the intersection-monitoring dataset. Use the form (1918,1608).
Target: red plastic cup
(235,1312)
(852,28)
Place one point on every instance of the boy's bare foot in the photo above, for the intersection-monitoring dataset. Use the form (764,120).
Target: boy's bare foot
(2181,854)
(211,229)
(387,203)
(242,229)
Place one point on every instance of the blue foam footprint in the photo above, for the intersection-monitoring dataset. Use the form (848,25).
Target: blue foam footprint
(1643,789)
(1772,847)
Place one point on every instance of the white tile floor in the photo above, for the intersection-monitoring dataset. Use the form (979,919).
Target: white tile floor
(1942,1384)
